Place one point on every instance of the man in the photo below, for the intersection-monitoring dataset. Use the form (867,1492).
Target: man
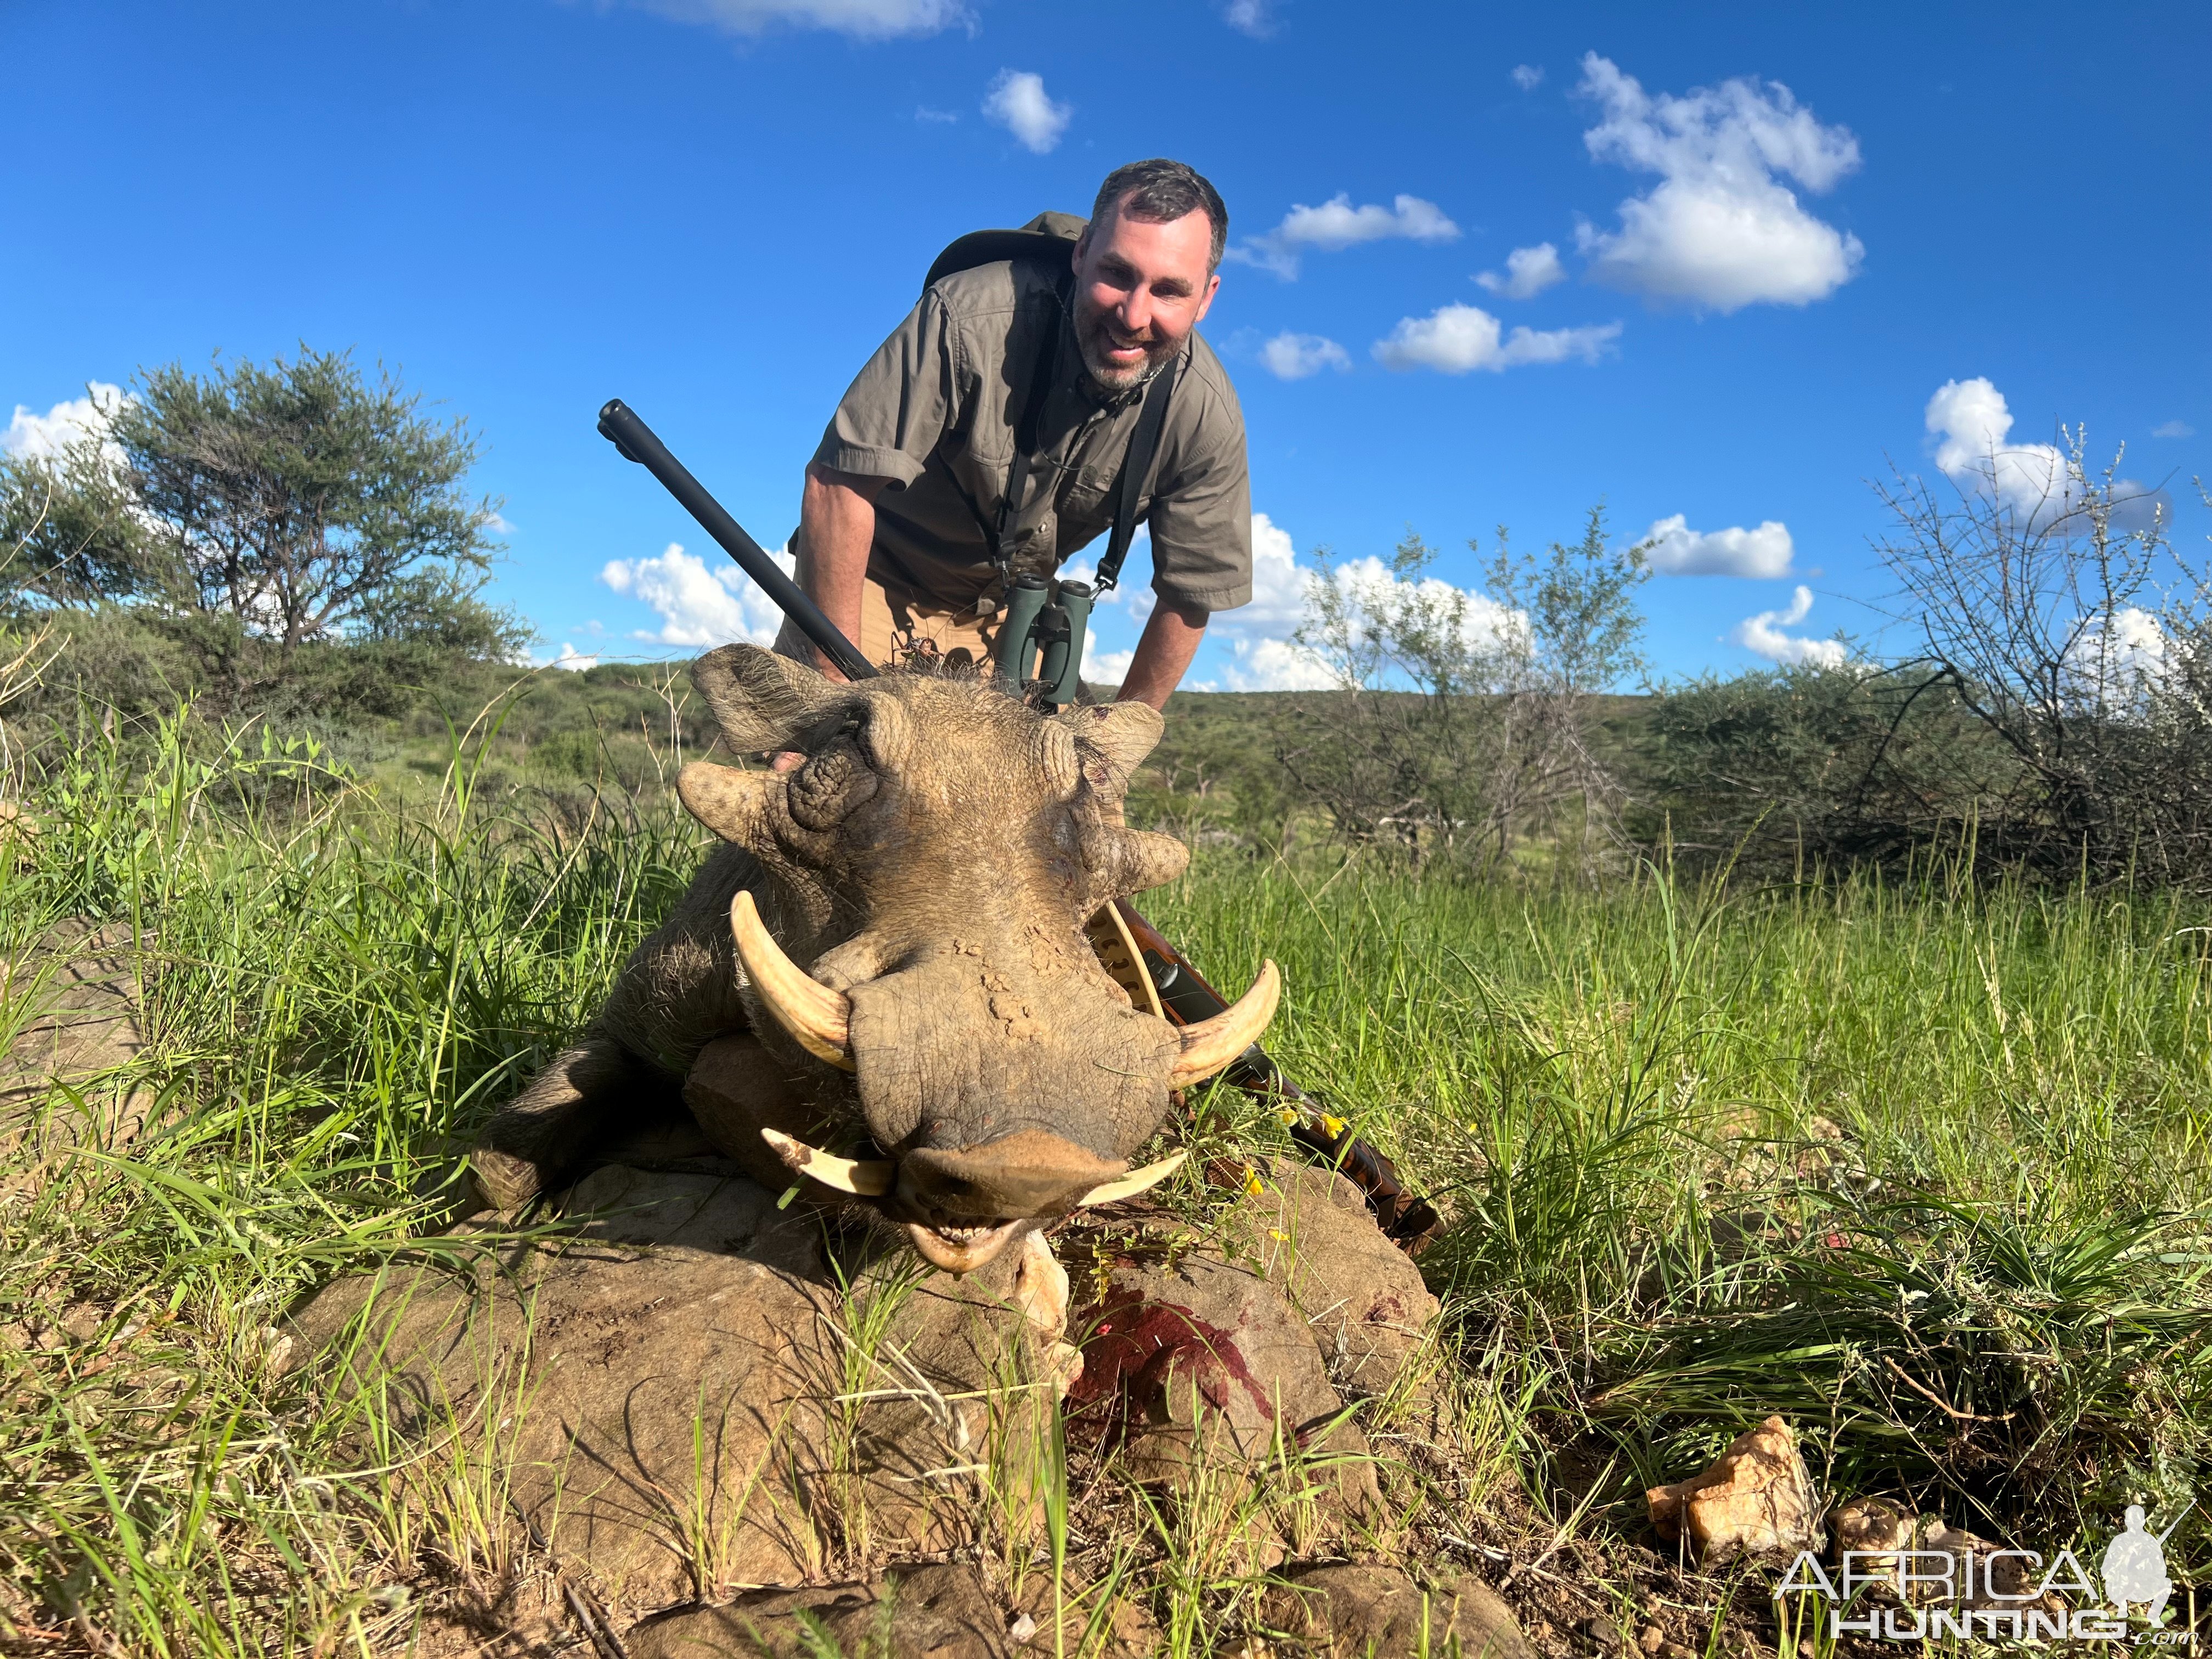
(907,530)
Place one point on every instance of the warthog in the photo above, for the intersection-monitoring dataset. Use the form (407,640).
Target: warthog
(930,848)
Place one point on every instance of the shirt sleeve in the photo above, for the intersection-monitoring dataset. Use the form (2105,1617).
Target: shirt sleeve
(1201,526)
(899,406)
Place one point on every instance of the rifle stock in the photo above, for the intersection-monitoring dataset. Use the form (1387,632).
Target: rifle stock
(1409,1221)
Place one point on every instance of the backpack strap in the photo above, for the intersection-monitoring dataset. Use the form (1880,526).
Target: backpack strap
(1029,432)
(1136,467)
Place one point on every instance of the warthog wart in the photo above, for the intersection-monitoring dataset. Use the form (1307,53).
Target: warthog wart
(930,848)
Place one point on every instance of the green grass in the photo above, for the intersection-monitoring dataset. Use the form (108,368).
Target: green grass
(1925,1170)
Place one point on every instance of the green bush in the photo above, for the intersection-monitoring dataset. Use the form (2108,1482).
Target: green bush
(1808,766)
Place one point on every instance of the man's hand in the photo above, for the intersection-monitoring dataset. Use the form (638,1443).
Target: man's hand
(1171,640)
(837,528)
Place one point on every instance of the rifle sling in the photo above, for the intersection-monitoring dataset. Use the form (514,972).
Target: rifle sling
(1136,468)
(1136,460)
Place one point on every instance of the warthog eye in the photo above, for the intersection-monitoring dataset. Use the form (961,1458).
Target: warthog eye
(834,781)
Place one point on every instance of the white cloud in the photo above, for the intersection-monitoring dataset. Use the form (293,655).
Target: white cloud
(698,606)
(1016,101)
(1336,224)
(499,524)
(1528,272)
(1682,551)
(2174,430)
(1274,665)
(1762,634)
(1454,339)
(1719,229)
(1294,357)
(2138,641)
(1254,17)
(1105,667)
(1278,583)
(1971,421)
(43,437)
(929,116)
(1263,656)
(865,20)
(571,659)
(1527,76)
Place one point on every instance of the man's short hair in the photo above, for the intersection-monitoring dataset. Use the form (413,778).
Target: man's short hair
(1160,192)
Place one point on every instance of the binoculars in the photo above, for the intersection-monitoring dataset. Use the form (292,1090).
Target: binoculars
(1041,637)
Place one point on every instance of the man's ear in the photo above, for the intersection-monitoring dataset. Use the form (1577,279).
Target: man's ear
(1212,288)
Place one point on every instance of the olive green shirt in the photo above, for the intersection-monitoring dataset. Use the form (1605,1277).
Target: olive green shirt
(934,411)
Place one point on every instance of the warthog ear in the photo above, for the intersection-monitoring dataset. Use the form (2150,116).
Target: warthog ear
(761,700)
(1119,733)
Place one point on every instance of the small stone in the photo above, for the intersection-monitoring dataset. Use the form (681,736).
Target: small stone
(1676,1650)
(1756,1499)
(1603,1631)
(1652,1639)
(1021,1628)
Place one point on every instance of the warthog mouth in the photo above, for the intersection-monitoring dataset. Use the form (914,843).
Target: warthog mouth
(962,1249)
(958,1247)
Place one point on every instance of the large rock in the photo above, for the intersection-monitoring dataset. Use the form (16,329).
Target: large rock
(1755,1499)
(685,1398)
(1309,1232)
(940,1611)
(691,1392)
(1378,1613)
(1201,1359)
(68,1079)
(1225,1352)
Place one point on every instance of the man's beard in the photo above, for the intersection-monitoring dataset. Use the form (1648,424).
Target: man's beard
(1094,331)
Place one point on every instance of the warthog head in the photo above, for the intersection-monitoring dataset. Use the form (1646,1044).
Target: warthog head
(933,848)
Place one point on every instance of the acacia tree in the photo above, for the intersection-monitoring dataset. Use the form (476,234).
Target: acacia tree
(293,497)
(1467,718)
(70,530)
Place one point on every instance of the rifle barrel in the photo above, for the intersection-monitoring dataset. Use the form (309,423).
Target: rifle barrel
(619,424)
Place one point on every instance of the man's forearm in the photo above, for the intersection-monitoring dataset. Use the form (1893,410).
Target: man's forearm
(837,528)
(1169,641)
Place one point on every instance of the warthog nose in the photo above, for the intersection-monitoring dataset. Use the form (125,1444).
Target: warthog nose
(1031,1172)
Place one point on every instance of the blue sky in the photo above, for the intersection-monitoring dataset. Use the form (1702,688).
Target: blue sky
(714,209)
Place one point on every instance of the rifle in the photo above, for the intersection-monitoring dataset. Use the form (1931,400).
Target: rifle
(1140,957)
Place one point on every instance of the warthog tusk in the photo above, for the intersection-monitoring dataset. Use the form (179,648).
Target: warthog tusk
(1213,1043)
(819,1017)
(1135,1181)
(870,1179)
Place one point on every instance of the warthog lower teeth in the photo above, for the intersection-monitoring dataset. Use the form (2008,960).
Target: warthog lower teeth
(964,1234)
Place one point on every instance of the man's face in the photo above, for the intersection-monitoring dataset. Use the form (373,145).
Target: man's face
(1140,287)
